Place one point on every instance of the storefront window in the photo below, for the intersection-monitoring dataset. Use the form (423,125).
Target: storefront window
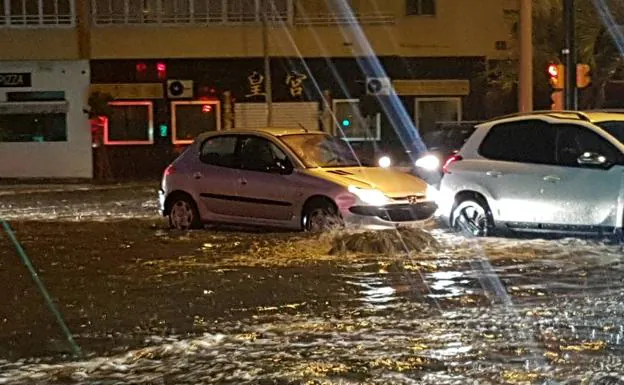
(191,118)
(130,123)
(33,128)
(350,123)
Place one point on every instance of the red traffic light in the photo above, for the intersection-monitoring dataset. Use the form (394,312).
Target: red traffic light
(556,76)
(553,71)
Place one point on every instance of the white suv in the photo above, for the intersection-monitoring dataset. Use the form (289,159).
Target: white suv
(543,171)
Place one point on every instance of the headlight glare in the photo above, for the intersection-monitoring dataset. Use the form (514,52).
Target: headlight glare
(428,162)
(384,162)
(372,197)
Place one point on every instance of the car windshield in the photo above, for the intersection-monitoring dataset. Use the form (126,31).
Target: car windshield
(316,150)
(613,127)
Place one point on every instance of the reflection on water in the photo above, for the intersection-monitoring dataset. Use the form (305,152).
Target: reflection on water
(305,318)
(407,323)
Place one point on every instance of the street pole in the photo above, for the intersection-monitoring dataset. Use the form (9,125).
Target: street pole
(267,63)
(569,53)
(525,78)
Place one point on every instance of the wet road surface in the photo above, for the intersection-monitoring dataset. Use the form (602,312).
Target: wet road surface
(224,306)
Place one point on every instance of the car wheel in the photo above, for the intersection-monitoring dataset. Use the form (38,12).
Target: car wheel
(183,214)
(320,218)
(472,216)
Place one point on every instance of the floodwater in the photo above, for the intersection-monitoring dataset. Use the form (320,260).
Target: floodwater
(239,306)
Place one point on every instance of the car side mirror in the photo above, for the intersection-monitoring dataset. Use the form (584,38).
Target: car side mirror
(592,159)
(282,167)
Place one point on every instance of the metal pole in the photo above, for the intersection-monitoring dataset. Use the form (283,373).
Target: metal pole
(569,53)
(267,63)
(525,78)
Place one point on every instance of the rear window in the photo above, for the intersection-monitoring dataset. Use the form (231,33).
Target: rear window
(531,141)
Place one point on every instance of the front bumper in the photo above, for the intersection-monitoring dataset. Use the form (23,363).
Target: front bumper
(389,215)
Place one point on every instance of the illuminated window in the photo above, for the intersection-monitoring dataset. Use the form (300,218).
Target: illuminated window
(130,123)
(191,118)
(351,125)
(420,7)
(40,12)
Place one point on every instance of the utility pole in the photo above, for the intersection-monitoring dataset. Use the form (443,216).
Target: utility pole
(525,78)
(268,88)
(569,53)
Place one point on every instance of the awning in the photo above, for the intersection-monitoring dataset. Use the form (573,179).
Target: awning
(15,108)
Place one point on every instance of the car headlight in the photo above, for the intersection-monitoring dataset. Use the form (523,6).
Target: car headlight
(384,162)
(369,196)
(432,193)
(428,162)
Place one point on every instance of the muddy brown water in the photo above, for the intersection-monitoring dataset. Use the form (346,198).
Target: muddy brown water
(240,306)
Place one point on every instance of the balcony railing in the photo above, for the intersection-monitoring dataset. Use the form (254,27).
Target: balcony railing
(189,19)
(242,18)
(334,19)
(37,13)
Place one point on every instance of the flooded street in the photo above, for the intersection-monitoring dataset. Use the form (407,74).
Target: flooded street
(239,306)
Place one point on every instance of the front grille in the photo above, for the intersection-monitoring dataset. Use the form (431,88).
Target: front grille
(399,212)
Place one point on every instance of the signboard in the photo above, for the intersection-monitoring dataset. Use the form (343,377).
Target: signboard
(15,80)
(449,87)
(140,91)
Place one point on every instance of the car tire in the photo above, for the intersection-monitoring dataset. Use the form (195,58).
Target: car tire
(321,217)
(183,213)
(472,216)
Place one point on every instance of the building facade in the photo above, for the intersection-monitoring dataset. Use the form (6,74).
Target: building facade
(175,68)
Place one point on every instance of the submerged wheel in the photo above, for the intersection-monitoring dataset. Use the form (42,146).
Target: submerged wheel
(321,216)
(183,213)
(472,216)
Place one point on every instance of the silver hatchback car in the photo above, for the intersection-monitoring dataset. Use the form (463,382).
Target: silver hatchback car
(288,178)
(549,171)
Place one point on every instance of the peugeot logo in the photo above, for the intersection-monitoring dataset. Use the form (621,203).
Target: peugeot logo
(412,199)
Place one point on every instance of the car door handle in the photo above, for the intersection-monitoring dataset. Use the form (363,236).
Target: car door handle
(197,175)
(551,178)
(494,174)
(242,181)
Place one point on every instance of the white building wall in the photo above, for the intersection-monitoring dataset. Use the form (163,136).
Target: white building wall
(69,159)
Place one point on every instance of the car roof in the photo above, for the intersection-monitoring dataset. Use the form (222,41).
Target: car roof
(591,116)
(274,131)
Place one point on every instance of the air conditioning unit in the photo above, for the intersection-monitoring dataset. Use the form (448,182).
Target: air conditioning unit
(378,86)
(179,89)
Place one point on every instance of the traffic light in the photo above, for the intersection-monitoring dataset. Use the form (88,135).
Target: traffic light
(557,101)
(583,77)
(556,76)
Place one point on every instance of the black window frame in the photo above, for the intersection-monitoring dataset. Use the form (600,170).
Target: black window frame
(517,123)
(236,158)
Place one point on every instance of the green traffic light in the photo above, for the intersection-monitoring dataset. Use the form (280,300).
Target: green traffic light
(346,123)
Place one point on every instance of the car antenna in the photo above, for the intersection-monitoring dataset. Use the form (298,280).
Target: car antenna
(303,127)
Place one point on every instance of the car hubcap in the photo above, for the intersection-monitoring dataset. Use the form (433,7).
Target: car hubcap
(472,219)
(181,215)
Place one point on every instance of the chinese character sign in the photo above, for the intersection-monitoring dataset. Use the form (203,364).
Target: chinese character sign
(256,85)
(295,84)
